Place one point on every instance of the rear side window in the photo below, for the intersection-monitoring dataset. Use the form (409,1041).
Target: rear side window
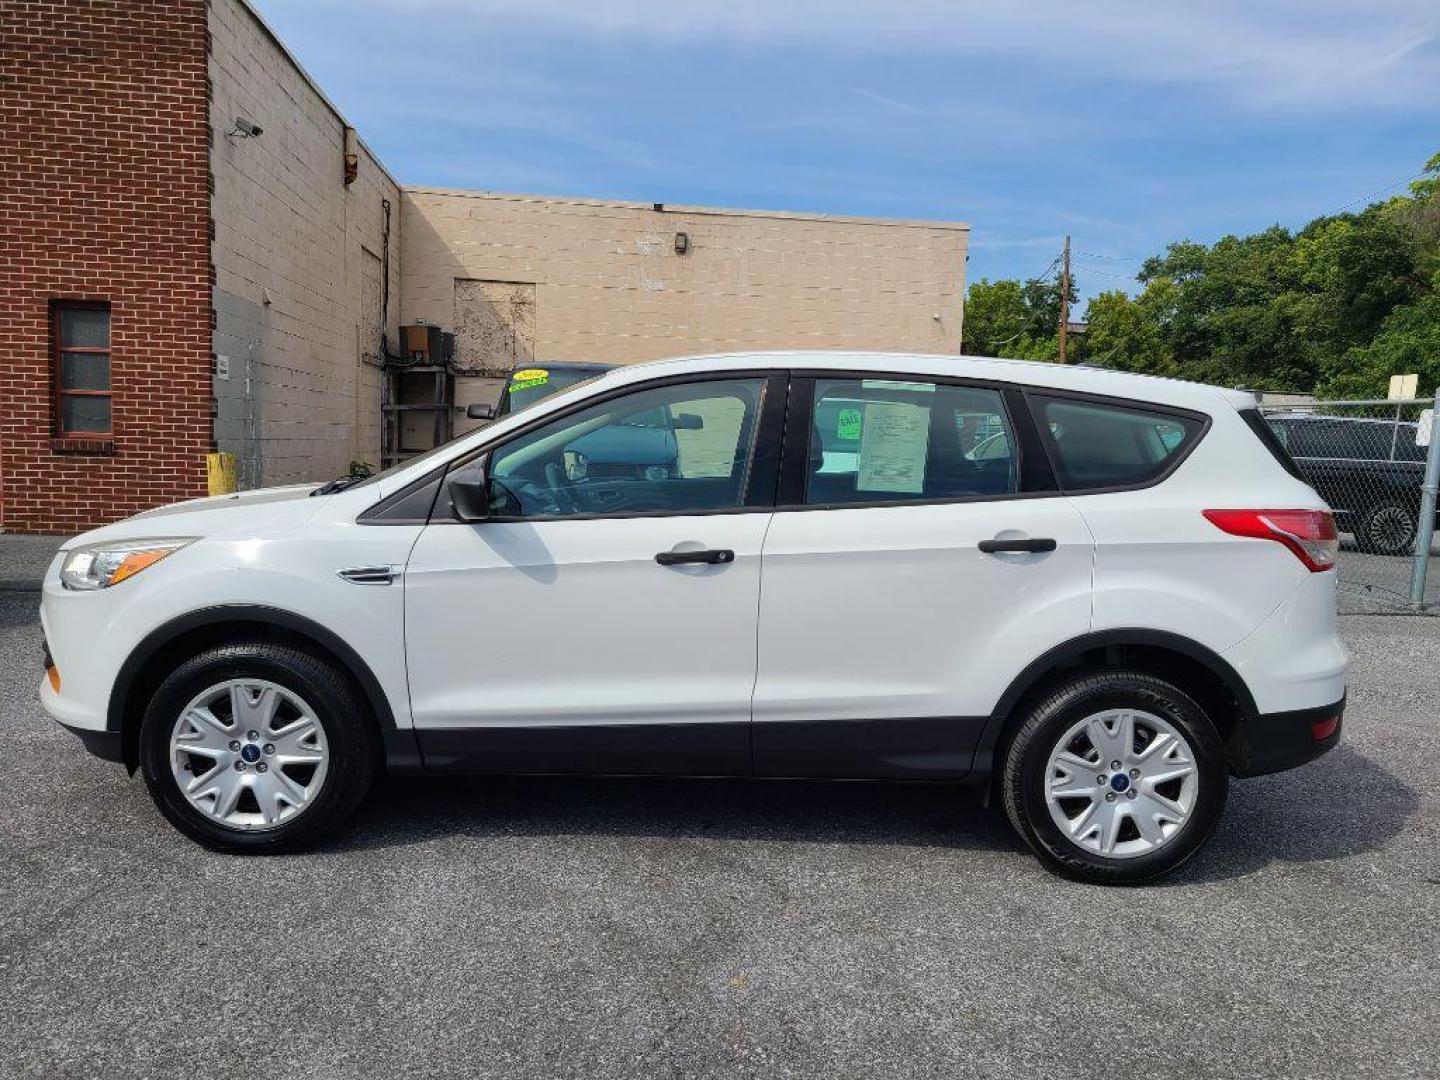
(1274,438)
(1101,446)
(889,440)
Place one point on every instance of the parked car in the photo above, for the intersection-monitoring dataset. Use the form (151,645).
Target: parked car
(1097,622)
(534,383)
(1370,471)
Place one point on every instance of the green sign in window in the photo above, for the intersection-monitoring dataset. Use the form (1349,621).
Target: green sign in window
(849,423)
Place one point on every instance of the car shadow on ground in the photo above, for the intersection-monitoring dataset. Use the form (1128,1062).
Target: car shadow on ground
(1341,806)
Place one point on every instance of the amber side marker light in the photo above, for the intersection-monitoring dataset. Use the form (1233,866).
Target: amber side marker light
(133,564)
(53,674)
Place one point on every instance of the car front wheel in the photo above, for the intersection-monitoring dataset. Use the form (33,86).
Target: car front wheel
(257,747)
(1115,778)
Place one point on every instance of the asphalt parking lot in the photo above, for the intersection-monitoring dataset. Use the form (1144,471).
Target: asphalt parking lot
(655,928)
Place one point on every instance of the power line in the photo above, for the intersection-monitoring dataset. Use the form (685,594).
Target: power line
(1367,198)
(1338,210)
(1047,271)
(1107,273)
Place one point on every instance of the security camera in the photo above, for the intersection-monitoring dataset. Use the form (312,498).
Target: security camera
(245,129)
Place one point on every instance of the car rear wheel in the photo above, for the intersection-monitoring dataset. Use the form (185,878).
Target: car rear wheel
(1115,778)
(257,747)
(1387,528)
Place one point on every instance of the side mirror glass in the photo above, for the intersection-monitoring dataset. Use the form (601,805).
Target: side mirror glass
(577,466)
(478,411)
(469,491)
(686,421)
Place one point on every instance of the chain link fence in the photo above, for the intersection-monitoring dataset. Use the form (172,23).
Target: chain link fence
(1369,460)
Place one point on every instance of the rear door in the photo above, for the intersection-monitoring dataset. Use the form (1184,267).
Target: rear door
(919,558)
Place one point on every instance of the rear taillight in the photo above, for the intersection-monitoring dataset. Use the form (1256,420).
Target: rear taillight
(1310,534)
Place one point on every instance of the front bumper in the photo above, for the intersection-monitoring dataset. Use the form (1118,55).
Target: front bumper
(103,744)
(1273,742)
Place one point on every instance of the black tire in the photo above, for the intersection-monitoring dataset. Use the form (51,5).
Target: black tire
(1026,756)
(353,741)
(1387,528)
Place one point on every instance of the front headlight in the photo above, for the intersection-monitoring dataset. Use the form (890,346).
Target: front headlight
(98,566)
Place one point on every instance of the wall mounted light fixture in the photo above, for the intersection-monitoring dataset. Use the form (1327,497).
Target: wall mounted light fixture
(244,129)
(682,243)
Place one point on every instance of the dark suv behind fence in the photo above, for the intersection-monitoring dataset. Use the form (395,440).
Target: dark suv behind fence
(1368,469)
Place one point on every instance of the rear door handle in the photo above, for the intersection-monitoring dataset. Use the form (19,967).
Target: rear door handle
(714,556)
(1039,543)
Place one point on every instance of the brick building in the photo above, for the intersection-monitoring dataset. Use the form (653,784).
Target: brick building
(202,255)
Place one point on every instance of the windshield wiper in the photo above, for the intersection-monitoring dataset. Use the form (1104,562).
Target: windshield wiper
(340,483)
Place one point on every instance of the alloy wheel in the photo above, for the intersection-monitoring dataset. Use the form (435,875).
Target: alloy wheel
(1121,783)
(1391,530)
(249,754)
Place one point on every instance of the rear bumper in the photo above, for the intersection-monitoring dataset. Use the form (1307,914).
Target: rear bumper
(1273,742)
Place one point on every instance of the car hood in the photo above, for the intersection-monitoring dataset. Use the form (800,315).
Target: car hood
(245,514)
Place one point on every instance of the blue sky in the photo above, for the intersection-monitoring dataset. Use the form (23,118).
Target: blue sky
(1125,124)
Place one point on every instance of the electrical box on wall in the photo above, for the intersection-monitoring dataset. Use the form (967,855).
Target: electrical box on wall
(421,344)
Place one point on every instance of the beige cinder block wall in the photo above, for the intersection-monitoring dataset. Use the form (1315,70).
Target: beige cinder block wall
(603,280)
(297,258)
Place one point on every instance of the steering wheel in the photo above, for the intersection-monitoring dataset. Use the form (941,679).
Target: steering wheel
(559,490)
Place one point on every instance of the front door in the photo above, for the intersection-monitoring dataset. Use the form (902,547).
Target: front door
(925,552)
(604,618)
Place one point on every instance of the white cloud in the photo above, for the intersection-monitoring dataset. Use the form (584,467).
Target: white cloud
(1259,53)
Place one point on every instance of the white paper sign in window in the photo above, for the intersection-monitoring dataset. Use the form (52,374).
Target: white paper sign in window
(893,444)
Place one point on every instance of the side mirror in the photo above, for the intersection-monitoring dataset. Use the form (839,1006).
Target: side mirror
(687,421)
(469,491)
(480,412)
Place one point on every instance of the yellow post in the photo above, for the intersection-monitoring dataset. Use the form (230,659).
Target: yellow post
(220,469)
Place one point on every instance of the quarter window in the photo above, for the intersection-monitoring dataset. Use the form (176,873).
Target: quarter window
(81,338)
(1104,446)
(887,440)
(684,448)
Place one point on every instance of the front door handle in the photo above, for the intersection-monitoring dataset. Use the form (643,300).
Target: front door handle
(1039,543)
(714,556)
(369,575)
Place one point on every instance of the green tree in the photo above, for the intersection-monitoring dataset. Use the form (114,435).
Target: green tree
(1336,307)
(995,315)
(1128,334)
(1014,320)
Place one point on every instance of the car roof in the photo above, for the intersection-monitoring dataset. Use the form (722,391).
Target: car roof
(568,365)
(1078,378)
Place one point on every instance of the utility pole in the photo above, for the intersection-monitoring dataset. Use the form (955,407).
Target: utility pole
(1064,300)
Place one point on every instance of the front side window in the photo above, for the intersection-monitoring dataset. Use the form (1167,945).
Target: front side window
(887,440)
(81,334)
(1105,446)
(684,448)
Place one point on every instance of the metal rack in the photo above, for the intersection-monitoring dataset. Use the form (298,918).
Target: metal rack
(411,394)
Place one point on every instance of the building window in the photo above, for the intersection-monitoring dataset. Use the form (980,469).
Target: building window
(82,369)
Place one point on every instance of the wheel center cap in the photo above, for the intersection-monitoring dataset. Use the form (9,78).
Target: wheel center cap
(1119,781)
(251,753)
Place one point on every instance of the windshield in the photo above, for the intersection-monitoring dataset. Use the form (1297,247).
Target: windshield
(533,384)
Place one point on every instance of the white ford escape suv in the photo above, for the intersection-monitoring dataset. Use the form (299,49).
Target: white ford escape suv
(1095,595)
